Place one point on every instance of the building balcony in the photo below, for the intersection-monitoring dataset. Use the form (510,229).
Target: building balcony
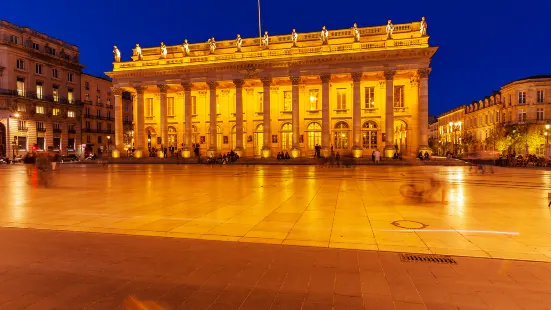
(400,109)
(41,129)
(72,131)
(57,130)
(109,106)
(370,110)
(22,129)
(88,130)
(89,116)
(35,96)
(99,104)
(87,102)
(100,117)
(341,111)
(313,111)
(110,119)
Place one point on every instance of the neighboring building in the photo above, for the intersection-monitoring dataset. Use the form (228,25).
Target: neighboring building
(98,117)
(450,130)
(353,97)
(39,92)
(481,119)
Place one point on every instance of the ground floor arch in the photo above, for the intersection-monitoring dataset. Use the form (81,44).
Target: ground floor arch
(400,136)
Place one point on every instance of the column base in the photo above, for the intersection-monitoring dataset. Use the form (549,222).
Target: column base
(211,152)
(357,151)
(325,152)
(389,151)
(295,152)
(186,152)
(138,153)
(425,148)
(266,153)
(239,151)
(160,154)
(115,154)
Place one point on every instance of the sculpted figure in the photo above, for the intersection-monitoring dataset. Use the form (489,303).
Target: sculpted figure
(117,54)
(185,48)
(212,45)
(423,28)
(294,37)
(389,29)
(265,39)
(238,42)
(324,35)
(356,33)
(164,51)
(138,52)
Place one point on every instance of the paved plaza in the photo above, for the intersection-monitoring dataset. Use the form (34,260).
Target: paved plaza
(504,215)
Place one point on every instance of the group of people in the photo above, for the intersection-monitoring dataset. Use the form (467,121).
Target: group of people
(423,157)
(281,155)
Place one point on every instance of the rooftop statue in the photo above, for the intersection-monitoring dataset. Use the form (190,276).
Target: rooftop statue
(117,54)
(324,35)
(185,48)
(212,45)
(356,33)
(138,52)
(164,51)
(389,29)
(265,40)
(294,37)
(238,42)
(423,28)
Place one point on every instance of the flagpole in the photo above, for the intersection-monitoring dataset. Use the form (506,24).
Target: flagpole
(259,25)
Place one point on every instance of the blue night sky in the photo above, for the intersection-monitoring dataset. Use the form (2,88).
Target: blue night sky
(483,44)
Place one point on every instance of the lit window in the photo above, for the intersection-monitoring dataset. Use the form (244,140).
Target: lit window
(314,99)
(70,76)
(20,87)
(39,90)
(540,96)
(369,102)
(217,105)
(539,114)
(149,107)
(399,96)
(39,109)
(341,98)
(521,97)
(22,125)
(70,95)
(193,105)
(170,106)
(287,101)
(21,107)
(71,114)
(20,64)
(86,97)
(56,94)
(55,111)
(38,69)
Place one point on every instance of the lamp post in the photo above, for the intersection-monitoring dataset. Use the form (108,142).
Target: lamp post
(108,144)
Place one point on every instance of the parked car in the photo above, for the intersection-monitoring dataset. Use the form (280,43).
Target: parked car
(69,158)
(5,160)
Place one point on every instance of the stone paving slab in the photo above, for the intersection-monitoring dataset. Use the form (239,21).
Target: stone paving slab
(43,269)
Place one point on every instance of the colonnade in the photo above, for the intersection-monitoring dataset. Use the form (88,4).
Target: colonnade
(421,77)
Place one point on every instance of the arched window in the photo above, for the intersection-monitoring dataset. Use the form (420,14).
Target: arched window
(194,135)
(286,136)
(369,135)
(234,138)
(314,135)
(400,135)
(258,139)
(341,135)
(172,136)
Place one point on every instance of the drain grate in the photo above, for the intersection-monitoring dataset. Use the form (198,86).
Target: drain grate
(427,258)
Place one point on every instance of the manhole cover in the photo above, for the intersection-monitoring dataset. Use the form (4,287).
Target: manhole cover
(409,224)
(427,258)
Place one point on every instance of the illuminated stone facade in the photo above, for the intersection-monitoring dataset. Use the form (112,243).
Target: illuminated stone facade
(353,97)
(39,92)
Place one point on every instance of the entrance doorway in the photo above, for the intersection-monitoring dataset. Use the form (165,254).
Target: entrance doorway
(258,140)
(286,137)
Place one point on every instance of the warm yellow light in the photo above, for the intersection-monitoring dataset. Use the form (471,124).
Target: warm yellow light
(16,115)
(545,133)
(547,126)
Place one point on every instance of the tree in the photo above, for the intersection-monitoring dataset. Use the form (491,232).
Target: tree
(468,141)
(503,143)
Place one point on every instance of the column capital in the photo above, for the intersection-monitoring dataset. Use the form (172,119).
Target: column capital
(212,85)
(238,83)
(266,81)
(424,73)
(117,91)
(163,88)
(295,79)
(325,78)
(140,89)
(356,76)
(389,74)
(414,81)
(187,86)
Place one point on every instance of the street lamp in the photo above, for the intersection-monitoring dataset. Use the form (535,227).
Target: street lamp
(108,143)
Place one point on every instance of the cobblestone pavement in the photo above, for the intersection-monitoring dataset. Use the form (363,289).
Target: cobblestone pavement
(45,269)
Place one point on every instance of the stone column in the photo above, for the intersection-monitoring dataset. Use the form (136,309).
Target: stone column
(140,122)
(325,123)
(423,112)
(119,126)
(267,148)
(389,114)
(295,150)
(164,119)
(212,147)
(357,116)
(238,117)
(186,152)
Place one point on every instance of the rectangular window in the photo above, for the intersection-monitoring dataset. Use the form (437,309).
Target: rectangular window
(52,51)
(20,64)
(57,143)
(40,126)
(55,111)
(88,139)
(40,142)
(39,90)
(260,102)
(287,101)
(497,116)
(87,85)
(98,126)
(369,102)
(86,97)
(36,46)
(170,106)
(521,97)
(99,139)
(126,118)
(20,87)
(38,69)
(193,105)
(87,125)
(341,98)
(22,143)
(540,96)
(21,107)
(71,114)
(55,93)
(39,109)
(492,118)
(521,116)
(57,126)
(539,114)
(486,117)
(22,125)
(71,127)
(98,99)
(510,116)
(314,94)
(149,107)
(70,95)
(71,144)
(55,74)
(14,39)
(399,96)
(70,76)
